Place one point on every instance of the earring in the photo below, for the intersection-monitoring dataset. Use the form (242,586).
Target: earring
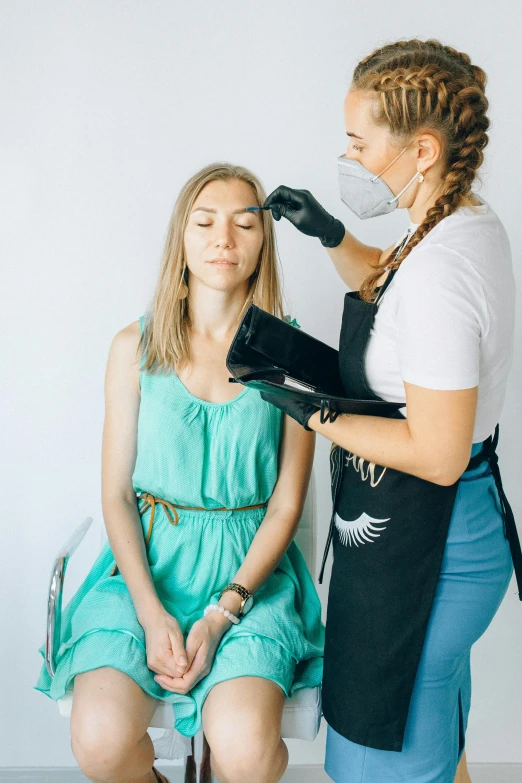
(183,289)
(420,176)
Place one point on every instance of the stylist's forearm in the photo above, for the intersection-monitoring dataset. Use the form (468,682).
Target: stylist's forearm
(353,260)
(385,442)
(125,533)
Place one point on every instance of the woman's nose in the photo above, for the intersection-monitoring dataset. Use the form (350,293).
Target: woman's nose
(224,236)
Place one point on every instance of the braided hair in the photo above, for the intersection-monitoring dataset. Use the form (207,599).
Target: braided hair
(423,85)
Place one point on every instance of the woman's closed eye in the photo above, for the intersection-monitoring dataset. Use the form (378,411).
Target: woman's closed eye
(205,225)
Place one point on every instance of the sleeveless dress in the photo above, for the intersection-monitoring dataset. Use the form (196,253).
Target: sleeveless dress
(193,452)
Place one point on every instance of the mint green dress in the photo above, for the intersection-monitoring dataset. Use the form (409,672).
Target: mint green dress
(197,453)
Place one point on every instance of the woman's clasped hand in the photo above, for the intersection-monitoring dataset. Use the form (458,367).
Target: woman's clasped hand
(180,667)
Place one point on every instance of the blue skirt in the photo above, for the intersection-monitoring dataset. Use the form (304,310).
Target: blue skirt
(475,575)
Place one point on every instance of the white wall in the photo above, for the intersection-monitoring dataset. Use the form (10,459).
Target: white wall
(107,108)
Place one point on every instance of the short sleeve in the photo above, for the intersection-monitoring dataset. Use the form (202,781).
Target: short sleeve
(441,313)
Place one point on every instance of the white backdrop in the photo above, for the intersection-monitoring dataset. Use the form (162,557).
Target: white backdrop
(108,106)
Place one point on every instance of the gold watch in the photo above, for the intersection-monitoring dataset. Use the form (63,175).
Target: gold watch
(246,596)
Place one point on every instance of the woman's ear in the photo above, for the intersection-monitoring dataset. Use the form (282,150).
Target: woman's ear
(429,151)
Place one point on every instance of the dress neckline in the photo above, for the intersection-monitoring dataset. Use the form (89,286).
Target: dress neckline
(208,402)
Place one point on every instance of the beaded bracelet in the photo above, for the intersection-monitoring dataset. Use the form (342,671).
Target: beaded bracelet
(226,612)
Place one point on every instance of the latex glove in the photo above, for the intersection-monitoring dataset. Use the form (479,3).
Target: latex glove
(300,411)
(306,214)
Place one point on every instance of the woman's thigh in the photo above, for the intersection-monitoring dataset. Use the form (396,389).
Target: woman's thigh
(110,713)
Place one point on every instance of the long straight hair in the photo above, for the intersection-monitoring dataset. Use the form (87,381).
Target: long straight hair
(165,342)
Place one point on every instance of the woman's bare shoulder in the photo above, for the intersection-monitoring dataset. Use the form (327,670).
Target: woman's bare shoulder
(127,338)
(124,347)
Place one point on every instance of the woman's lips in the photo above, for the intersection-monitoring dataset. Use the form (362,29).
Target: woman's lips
(222,262)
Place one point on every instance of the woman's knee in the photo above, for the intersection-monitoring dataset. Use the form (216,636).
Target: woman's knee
(253,757)
(107,724)
(247,748)
(242,723)
(100,755)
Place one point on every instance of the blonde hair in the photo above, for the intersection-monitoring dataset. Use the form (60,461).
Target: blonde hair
(165,341)
(424,85)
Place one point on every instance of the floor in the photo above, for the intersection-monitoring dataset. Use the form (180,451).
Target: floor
(480,773)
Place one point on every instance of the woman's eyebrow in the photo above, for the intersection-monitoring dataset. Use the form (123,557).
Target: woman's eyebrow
(355,136)
(209,209)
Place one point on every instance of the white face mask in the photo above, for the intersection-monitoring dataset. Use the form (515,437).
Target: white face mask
(364,192)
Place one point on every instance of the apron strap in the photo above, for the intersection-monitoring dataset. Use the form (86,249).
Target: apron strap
(327,548)
(488,447)
(385,285)
(510,529)
(337,484)
(391,272)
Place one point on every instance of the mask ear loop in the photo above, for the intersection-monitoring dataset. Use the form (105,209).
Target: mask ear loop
(389,164)
(419,176)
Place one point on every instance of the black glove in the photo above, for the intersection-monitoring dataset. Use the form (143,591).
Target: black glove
(300,411)
(306,214)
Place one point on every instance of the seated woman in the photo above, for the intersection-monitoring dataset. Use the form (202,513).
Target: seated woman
(202,489)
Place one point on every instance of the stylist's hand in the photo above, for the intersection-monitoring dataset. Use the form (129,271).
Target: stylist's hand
(306,214)
(300,411)
(202,643)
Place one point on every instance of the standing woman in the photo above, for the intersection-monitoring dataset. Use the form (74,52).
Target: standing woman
(423,536)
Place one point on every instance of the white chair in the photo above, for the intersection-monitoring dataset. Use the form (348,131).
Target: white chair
(302,712)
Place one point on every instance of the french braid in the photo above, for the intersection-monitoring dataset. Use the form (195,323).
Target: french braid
(421,85)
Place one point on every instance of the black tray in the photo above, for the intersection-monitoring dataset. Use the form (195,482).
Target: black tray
(273,356)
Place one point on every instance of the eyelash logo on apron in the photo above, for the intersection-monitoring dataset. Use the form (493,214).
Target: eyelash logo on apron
(362,530)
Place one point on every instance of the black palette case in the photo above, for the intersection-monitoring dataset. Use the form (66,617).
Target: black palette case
(275,357)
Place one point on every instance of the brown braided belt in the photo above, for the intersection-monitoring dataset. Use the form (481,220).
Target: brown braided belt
(151,501)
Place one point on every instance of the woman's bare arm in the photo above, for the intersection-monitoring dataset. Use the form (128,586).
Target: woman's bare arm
(120,510)
(433,443)
(353,260)
(283,513)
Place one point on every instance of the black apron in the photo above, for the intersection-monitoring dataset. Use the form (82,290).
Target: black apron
(389,532)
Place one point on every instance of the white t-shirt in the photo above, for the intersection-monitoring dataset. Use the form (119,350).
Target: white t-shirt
(446,321)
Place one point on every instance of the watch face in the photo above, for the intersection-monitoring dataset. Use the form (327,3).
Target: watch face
(248,604)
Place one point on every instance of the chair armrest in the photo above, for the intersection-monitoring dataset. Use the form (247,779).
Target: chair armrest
(54,598)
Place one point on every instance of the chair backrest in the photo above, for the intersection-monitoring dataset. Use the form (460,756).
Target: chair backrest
(305,536)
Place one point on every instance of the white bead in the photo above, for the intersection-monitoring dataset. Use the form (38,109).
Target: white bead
(224,611)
